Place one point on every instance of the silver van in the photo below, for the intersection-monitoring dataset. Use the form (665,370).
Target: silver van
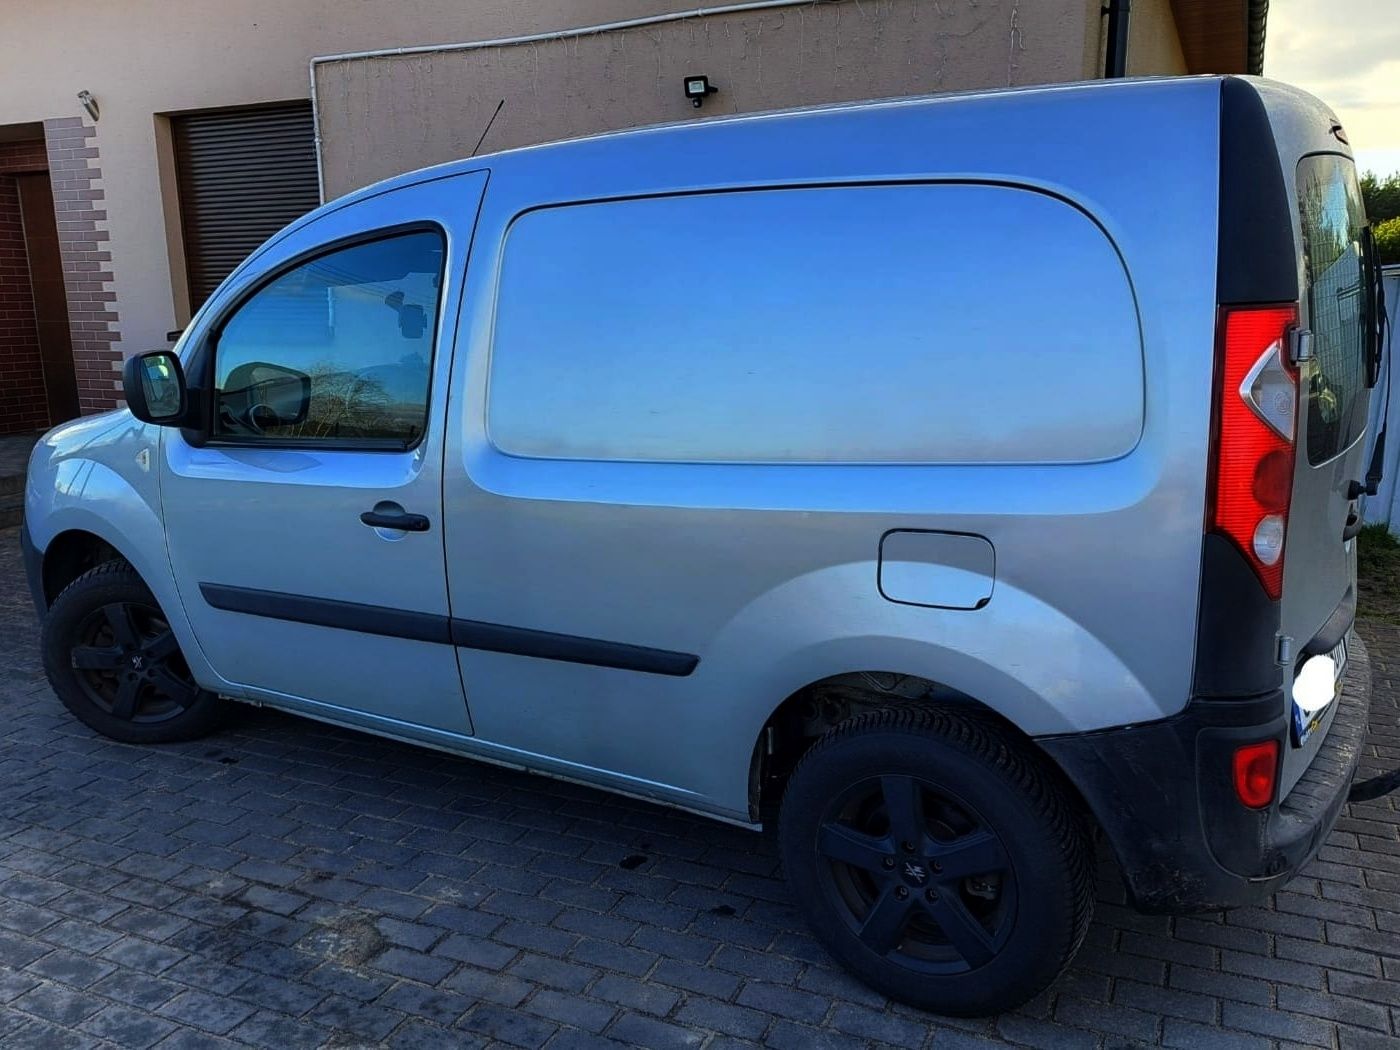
(946,482)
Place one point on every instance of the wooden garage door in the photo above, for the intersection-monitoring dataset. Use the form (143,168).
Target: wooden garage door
(242,175)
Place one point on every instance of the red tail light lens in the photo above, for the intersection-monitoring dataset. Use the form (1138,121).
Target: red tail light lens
(1256,773)
(1256,413)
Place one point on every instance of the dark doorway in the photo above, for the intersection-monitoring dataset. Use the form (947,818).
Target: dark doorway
(50,299)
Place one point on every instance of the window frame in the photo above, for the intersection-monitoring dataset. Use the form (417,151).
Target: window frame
(205,356)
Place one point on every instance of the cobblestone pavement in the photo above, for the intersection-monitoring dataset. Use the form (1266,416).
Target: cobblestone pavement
(287,884)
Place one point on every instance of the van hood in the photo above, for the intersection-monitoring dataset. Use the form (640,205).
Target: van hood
(84,435)
(116,441)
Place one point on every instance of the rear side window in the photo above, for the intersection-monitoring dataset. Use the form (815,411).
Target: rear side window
(876,324)
(1329,201)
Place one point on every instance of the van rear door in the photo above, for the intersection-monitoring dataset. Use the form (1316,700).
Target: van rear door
(1334,384)
(1294,365)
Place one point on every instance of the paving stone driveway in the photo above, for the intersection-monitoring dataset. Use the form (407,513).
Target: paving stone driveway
(288,884)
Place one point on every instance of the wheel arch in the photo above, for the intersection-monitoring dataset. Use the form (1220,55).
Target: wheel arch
(1022,657)
(72,538)
(70,554)
(807,713)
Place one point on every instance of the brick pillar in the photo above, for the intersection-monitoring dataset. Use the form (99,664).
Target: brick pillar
(87,263)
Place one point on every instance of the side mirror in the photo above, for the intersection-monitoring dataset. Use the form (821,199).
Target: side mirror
(155,390)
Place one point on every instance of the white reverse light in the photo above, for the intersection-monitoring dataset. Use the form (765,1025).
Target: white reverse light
(1268,539)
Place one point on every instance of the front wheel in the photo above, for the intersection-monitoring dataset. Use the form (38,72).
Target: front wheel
(113,660)
(936,860)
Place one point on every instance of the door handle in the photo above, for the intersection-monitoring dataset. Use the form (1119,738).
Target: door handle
(400,520)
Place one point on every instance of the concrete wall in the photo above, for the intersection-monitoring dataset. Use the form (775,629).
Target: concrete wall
(383,115)
(146,58)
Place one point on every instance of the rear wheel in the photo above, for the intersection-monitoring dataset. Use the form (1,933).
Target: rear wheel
(936,861)
(113,660)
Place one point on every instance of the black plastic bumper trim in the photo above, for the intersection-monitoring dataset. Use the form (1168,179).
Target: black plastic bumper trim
(1162,794)
(1237,627)
(444,630)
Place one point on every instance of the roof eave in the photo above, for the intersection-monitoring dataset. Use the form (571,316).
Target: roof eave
(1222,36)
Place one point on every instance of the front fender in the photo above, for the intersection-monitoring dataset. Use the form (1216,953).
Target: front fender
(98,476)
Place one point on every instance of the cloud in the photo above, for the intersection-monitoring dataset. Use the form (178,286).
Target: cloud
(1347,52)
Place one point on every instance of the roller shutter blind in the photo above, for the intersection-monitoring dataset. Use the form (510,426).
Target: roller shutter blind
(242,174)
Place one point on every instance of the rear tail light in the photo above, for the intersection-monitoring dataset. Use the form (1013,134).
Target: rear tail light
(1256,773)
(1257,415)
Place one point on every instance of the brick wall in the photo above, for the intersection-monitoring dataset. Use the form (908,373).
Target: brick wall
(22,402)
(87,262)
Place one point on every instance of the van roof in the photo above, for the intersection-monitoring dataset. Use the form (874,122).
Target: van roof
(661,135)
(1053,113)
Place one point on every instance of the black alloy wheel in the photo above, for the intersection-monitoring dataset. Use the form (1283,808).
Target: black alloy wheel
(938,857)
(129,664)
(112,658)
(917,875)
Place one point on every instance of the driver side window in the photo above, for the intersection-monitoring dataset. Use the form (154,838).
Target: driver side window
(336,351)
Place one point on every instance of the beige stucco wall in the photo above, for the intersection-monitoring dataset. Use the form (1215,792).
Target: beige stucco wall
(1153,46)
(144,58)
(386,114)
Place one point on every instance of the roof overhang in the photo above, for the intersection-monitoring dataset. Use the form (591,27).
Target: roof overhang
(1222,36)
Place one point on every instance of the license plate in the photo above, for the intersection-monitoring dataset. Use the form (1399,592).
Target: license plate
(1315,690)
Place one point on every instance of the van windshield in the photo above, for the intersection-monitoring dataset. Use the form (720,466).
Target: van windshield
(1333,218)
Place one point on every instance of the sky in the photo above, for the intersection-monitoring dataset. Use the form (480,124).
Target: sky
(1347,52)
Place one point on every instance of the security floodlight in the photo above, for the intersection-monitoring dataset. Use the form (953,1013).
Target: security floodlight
(696,88)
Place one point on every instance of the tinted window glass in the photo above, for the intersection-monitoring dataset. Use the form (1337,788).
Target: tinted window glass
(337,350)
(1332,219)
(861,324)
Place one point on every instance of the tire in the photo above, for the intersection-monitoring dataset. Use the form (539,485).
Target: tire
(112,659)
(937,860)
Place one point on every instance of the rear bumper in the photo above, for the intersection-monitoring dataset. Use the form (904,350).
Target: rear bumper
(1162,794)
(33,568)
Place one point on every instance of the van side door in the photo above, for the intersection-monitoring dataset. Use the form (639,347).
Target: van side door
(304,523)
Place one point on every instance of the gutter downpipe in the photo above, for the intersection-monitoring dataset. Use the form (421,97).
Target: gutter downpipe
(532,38)
(1115,58)
(1258,28)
